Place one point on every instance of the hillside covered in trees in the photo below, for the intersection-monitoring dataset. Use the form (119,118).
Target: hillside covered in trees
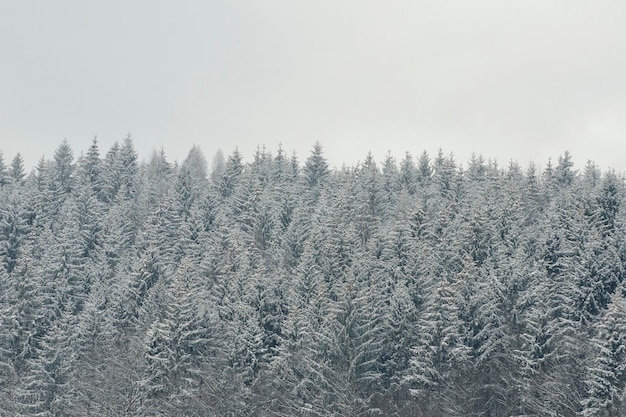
(279,287)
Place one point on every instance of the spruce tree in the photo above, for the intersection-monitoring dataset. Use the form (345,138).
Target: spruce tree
(606,372)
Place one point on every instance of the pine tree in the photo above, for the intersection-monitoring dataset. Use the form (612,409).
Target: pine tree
(424,169)
(91,167)
(551,327)
(492,340)
(14,229)
(16,170)
(408,175)
(608,202)
(65,262)
(316,168)
(445,176)
(186,196)
(158,176)
(128,168)
(8,375)
(370,204)
(120,230)
(196,164)
(229,179)
(606,373)
(564,175)
(43,389)
(120,171)
(218,166)
(357,341)
(4,179)
(63,170)
(440,355)
(390,185)
(176,346)
(305,381)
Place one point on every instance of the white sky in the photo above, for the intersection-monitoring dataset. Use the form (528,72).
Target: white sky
(520,80)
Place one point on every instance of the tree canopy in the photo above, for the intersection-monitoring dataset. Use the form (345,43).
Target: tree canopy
(419,287)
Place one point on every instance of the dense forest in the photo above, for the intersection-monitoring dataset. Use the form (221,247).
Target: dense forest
(280,287)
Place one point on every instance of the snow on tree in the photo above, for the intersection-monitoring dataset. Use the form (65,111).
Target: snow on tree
(409,288)
(316,167)
(176,345)
(606,372)
(16,170)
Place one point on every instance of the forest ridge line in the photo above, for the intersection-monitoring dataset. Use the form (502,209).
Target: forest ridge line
(284,288)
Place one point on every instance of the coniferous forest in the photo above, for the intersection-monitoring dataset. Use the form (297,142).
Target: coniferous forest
(276,286)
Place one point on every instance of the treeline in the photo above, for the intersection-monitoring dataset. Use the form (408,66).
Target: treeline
(275,287)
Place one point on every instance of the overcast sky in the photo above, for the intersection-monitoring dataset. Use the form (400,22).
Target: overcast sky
(521,80)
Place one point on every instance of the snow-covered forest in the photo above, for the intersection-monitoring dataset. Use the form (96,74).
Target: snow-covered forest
(280,287)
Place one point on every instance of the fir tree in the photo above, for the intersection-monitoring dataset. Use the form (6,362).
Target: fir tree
(16,170)
(316,168)
(606,373)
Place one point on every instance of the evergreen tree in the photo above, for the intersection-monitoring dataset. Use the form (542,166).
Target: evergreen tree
(370,200)
(218,166)
(14,229)
(16,170)
(440,357)
(120,170)
(63,170)
(424,169)
(445,176)
(43,390)
(408,175)
(92,167)
(196,165)
(4,178)
(316,168)
(177,344)
(564,175)
(229,179)
(606,373)
(492,341)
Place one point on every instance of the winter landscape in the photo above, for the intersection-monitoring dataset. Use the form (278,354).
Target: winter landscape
(281,287)
(329,208)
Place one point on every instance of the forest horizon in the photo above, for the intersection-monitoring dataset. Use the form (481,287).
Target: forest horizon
(281,287)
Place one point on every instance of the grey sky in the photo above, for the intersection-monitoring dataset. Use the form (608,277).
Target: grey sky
(509,79)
